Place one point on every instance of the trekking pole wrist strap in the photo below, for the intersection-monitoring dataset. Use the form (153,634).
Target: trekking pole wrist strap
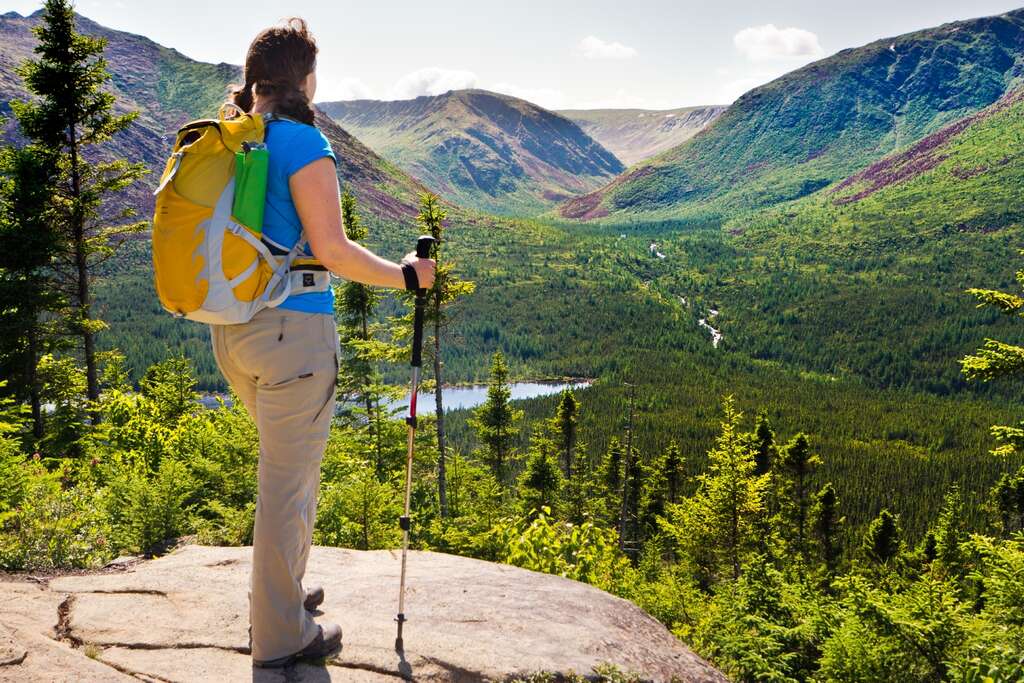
(412,281)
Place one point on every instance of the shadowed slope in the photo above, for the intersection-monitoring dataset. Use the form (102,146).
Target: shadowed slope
(482,149)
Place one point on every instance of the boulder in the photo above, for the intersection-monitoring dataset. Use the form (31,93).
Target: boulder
(184,617)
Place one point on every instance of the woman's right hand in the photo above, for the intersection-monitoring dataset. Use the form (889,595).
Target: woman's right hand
(424,268)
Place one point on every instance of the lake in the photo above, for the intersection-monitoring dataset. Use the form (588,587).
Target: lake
(459,397)
(456,398)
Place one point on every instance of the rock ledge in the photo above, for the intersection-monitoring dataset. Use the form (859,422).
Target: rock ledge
(183,617)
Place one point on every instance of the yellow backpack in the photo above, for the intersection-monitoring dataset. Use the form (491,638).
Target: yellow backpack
(208,265)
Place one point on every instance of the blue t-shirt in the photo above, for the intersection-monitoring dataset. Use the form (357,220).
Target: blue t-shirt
(290,146)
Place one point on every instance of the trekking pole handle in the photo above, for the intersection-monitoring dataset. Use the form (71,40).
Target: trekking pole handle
(423,245)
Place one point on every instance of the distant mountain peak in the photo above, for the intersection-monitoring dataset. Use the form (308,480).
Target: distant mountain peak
(483,149)
(637,134)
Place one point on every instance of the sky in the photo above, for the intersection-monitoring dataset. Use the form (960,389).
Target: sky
(583,54)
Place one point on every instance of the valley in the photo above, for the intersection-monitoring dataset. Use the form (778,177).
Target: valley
(777,290)
(634,135)
(568,299)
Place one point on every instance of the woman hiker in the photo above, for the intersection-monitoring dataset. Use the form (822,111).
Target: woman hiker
(283,364)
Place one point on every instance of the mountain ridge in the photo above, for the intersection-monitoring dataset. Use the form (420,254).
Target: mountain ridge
(169,89)
(482,149)
(637,134)
(813,126)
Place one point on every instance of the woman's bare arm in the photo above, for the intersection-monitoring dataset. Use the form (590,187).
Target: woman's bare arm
(314,190)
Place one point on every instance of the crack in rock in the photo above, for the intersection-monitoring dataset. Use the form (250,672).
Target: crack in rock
(62,630)
(127,591)
(129,672)
(371,668)
(241,649)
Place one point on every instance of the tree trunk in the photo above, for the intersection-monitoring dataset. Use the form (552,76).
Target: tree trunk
(734,541)
(374,425)
(627,468)
(801,516)
(82,267)
(33,381)
(442,482)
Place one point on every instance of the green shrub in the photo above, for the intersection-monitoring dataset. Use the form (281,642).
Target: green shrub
(582,552)
(54,525)
(359,511)
(147,510)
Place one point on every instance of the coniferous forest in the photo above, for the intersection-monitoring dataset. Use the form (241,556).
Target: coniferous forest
(833,490)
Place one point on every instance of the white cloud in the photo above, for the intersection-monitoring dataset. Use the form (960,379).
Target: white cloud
(549,98)
(768,42)
(593,47)
(344,89)
(431,80)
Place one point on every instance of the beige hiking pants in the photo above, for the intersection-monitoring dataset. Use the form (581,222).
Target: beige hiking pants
(283,365)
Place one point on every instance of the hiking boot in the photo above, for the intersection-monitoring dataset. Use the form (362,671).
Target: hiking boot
(327,642)
(314,596)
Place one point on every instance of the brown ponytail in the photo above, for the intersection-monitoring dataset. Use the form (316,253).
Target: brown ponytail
(276,65)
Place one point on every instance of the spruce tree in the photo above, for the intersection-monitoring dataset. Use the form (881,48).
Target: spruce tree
(719,525)
(632,487)
(609,480)
(577,494)
(951,534)
(796,463)
(565,429)
(28,246)
(1008,499)
(672,466)
(448,288)
(632,476)
(764,445)
(359,378)
(653,496)
(495,421)
(826,527)
(69,115)
(541,481)
(882,539)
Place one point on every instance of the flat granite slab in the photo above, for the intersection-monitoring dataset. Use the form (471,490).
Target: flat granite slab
(184,617)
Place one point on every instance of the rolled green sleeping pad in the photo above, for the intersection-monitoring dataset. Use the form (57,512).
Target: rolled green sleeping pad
(250,185)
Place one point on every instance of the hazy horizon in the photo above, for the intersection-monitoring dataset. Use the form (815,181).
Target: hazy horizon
(652,54)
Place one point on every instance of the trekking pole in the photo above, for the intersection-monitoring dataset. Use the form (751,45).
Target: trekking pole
(423,245)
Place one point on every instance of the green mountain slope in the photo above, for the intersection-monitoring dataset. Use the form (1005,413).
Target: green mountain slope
(633,135)
(904,238)
(168,89)
(482,149)
(966,177)
(814,126)
(865,280)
